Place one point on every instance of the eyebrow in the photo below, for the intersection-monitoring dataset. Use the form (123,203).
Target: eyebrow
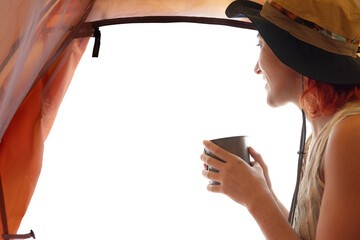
(258,35)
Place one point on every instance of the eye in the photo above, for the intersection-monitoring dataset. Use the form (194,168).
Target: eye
(259,45)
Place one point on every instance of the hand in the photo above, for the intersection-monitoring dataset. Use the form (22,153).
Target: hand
(245,184)
(258,158)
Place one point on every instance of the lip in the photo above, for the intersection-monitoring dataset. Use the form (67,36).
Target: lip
(264,79)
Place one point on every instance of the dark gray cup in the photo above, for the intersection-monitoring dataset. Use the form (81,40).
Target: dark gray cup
(236,145)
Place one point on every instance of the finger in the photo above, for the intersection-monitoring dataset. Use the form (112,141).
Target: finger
(206,166)
(218,151)
(214,188)
(257,157)
(214,176)
(212,161)
(256,165)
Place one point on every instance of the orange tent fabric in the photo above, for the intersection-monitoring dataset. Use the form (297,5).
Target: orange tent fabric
(42,43)
(22,146)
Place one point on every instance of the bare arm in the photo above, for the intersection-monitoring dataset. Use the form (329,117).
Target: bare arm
(258,158)
(283,209)
(271,220)
(340,210)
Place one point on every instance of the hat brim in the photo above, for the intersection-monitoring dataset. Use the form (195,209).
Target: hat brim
(304,58)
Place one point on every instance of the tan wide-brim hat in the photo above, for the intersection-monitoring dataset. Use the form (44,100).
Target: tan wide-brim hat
(319,39)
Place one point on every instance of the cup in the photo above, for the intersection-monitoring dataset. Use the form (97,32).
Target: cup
(236,145)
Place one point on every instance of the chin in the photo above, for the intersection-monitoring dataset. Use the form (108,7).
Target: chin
(274,103)
(271,104)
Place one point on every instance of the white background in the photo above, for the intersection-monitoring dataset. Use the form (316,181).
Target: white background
(123,158)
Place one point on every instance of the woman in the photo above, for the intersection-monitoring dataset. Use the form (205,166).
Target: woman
(309,56)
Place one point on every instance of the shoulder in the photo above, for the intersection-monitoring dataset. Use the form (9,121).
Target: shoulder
(342,176)
(342,154)
(348,123)
(344,141)
(345,134)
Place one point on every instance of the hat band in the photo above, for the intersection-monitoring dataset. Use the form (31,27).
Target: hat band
(312,25)
(304,30)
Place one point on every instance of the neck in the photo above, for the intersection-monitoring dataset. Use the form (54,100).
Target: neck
(318,124)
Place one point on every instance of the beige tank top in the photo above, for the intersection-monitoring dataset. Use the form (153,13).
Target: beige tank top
(312,184)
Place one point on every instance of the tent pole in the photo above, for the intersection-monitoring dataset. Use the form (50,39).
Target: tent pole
(172,19)
(3,210)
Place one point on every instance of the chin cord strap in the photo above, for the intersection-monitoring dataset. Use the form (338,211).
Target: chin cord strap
(301,153)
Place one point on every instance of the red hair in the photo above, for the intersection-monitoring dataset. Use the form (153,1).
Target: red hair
(321,99)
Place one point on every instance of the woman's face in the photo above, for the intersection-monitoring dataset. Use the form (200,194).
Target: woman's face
(283,84)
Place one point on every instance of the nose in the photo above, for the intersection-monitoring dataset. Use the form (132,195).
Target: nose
(257,69)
